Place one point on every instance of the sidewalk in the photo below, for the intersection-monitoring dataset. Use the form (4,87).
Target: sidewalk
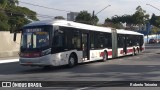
(8,59)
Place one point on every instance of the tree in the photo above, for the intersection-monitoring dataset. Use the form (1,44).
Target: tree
(19,16)
(155,30)
(114,23)
(153,19)
(3,4)
(85,17)
(127,19)
(13,17)
(157,23)
(13,2)
(59,17)
(3,22)
(140,17)
(3,17)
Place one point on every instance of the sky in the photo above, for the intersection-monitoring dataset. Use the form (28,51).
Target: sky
(118,7)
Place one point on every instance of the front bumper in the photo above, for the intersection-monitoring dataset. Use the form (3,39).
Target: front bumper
(38,61)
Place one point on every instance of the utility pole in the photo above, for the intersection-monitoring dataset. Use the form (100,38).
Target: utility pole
(148,27)
(93,20)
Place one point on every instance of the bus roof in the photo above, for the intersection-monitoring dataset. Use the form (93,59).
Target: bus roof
(122,31)
(80,26)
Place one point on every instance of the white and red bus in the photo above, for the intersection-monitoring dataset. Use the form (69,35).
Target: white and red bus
(60,42)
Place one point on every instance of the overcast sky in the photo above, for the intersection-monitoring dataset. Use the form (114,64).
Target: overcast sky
(118,7)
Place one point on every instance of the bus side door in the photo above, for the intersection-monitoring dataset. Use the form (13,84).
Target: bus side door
(85,45)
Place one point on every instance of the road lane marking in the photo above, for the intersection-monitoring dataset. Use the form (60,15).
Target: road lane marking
(89,87)
(9,61)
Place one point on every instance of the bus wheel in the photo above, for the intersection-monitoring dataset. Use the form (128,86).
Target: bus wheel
(105,56)
(72,61)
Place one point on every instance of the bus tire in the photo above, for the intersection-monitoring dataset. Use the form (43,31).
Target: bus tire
(105,56)
(72,60)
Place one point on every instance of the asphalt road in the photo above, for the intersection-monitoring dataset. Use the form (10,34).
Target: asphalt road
(143,67)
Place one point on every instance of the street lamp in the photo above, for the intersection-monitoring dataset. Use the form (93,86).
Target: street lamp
(93,21)
(103,9)
(153,7)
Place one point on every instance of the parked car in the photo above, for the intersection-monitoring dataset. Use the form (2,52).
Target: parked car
(158,40)
(152,41)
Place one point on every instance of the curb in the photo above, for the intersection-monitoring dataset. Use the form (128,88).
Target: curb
(8,61)
(150,47)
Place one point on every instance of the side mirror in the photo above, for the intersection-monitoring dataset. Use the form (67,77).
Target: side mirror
(15,36)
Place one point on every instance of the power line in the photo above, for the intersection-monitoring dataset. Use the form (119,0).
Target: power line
(22,14)
(46,16)
(45,7)
(42,15)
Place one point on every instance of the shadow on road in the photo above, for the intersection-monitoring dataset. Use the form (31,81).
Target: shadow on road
(121,72)
(16,68)
(129,70)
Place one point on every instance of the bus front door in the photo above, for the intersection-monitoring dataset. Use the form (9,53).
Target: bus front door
(85,46)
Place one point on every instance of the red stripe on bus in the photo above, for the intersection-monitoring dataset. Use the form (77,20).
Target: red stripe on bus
(109,53)
(101,54)
(129,50)
(121,52)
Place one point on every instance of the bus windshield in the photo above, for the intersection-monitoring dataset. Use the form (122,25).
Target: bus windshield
(33,38)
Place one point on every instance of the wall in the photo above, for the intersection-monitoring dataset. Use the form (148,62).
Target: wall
(9,48)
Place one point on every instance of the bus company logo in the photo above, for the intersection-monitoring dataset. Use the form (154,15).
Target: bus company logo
(6,84)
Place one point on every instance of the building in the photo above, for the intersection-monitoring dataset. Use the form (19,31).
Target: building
(72,16)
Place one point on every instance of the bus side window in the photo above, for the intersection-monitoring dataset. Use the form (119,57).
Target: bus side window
(109,41)
(58,39)
(101,40)
(76,41)
(92,40)
(128,41)
(141,40)
(106,41)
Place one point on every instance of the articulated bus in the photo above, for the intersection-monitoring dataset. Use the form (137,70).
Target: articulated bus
(60,42)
